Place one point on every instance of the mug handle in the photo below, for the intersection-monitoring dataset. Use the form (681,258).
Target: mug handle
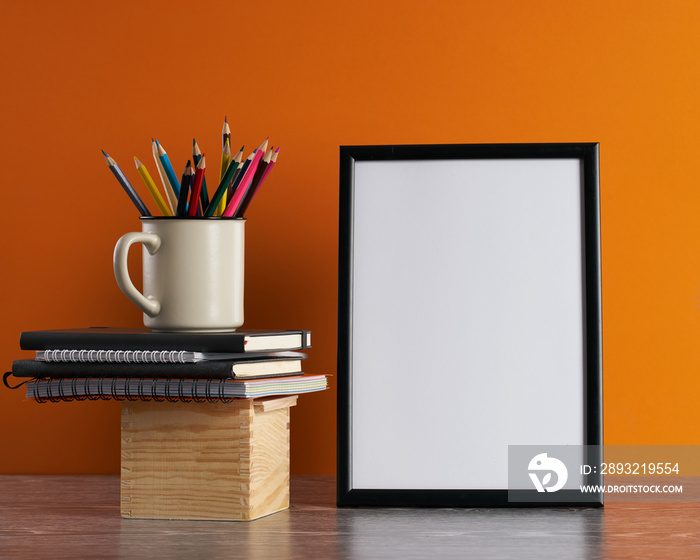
(150,306)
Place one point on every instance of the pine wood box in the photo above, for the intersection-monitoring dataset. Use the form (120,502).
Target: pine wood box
(226,461)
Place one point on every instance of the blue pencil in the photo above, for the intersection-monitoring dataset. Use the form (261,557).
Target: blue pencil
(124,182)
(168,168)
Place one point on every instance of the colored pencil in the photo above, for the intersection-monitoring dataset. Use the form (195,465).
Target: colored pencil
(197,186)
(225,141)
(239,174)
(258,180)
(239,180)
(256,177)
(222,188)
(124,182)
(185,183)
(225,160)
(152,188)
(196,156)
(244,185)
(225,134)
(238,159)
(169,192)
(168,168)
(263,146)
(260,171)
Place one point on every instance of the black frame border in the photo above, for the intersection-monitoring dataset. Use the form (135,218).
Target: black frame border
(588,153)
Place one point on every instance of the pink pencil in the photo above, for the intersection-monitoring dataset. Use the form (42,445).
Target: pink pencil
(197,187)
(243,187)
(268,161)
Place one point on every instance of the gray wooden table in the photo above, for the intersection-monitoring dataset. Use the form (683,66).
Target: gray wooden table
(78,517)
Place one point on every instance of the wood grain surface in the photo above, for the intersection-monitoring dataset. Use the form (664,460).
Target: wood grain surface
(78,517)
(216,461)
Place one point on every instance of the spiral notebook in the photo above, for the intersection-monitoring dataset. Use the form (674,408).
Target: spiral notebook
(211,390)
(154,356)
(259,367)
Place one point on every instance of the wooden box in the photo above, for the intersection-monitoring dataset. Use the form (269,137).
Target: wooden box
(224,461)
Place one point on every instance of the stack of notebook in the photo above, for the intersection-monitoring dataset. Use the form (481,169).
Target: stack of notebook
(106,363)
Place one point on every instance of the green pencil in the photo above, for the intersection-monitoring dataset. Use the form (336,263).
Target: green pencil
(222,188)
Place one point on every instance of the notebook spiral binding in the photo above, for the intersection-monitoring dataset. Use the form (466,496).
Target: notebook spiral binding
(120,389)
(116,356)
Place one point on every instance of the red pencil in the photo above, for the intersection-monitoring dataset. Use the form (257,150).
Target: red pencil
(197,187)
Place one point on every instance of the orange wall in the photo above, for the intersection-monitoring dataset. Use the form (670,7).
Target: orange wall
(82,76)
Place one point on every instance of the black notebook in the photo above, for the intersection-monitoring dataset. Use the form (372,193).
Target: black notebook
(211,390)
(115,338)
(265,367)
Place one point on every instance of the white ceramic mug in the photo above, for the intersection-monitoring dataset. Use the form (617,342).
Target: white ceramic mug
(193,272)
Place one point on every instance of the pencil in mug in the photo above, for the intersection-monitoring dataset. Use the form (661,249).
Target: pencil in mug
(256,178)
(260,171)
(225,161)
(242,181)
(225,134)
(197,186)
(185,183)
(240,174)
(243,185)
(266,166)
(263,146)
(196,156)
(238,159)
(225,140)
(168,168)
(124,182)
(152,188)
(169,191)
(222,189)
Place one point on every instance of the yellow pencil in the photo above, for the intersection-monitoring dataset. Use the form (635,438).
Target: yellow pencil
(225,134)
(169,193)
(225,161)
(151,186)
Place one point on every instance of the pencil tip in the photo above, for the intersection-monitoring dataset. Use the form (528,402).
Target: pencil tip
(136,160)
